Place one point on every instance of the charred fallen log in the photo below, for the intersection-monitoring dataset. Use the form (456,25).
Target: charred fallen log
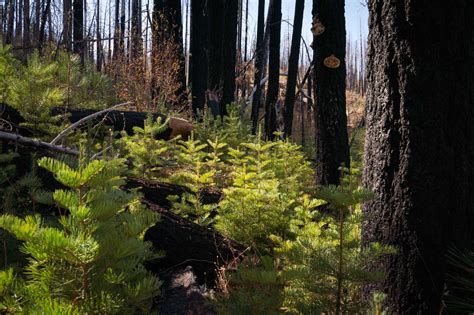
(158,192)
(118,120)
(186,243)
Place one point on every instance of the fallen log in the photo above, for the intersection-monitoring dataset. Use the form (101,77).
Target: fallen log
(118,120)
(6,136)
(186,243)
(158,192)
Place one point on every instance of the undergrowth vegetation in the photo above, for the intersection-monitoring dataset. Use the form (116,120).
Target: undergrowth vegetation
(304,253)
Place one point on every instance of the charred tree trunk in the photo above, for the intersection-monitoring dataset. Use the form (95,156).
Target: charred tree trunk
(67,25)
(332,144)
(168,28)
(78,28)
(98,38)
(117,28)
(198,59)
(260,56)
(10,22)
(36,25)
(229,54)
(136,31)
(19,19)
(293,66)
(273,69)
(26,26)
(419,145)
(215,19)
(44,20)
(122,29)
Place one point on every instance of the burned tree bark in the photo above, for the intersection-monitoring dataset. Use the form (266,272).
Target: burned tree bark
(10,22)
(293,66)
(259,57)
(136,31)
(215,32)
(78,28)
(167,28)
(198,59)
(419,145)
(332,144)
(229,54)
(273,68)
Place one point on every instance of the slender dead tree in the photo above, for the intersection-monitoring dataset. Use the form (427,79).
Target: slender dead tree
(117,28)
(215,21)
(229,54)
(10,22)
(332,144)
(136,30)
(293,67)
(122,28)
(198,58)
(26,26)
(273,70)
(168,28)
(67,25)
(98,38)
(259,60)
(78,28)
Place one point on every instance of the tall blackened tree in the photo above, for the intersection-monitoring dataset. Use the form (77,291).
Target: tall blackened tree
(198,58)
(117,28)
(273,68)
(259,57)
(229,54)
(419,145)
(215,21)
(67,25)
(168,28)
(293,66)
(26,25)
(136,29)
(78,28)
(122,27)
(10,22)
(332,145)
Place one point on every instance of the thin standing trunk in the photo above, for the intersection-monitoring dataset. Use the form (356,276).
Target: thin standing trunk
(293,66)
(98,37)
(19,19)
(44,18)
(246,28)
(10,22)
(136,33)
(186,45)
(332,144)
(273,70)
(78,28)
(50,23)
(215,19)
(67,24)
(26,26)
(122,28)
(168,27)
(36,25)
(419,146)
(259,57)
(229,54)
(117,35)
(198,60)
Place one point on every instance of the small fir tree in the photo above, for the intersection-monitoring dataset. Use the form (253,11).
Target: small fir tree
(326,264)
(34,94)
(92,261)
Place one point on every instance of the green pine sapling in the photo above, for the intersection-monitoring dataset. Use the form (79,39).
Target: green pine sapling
(91,261)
